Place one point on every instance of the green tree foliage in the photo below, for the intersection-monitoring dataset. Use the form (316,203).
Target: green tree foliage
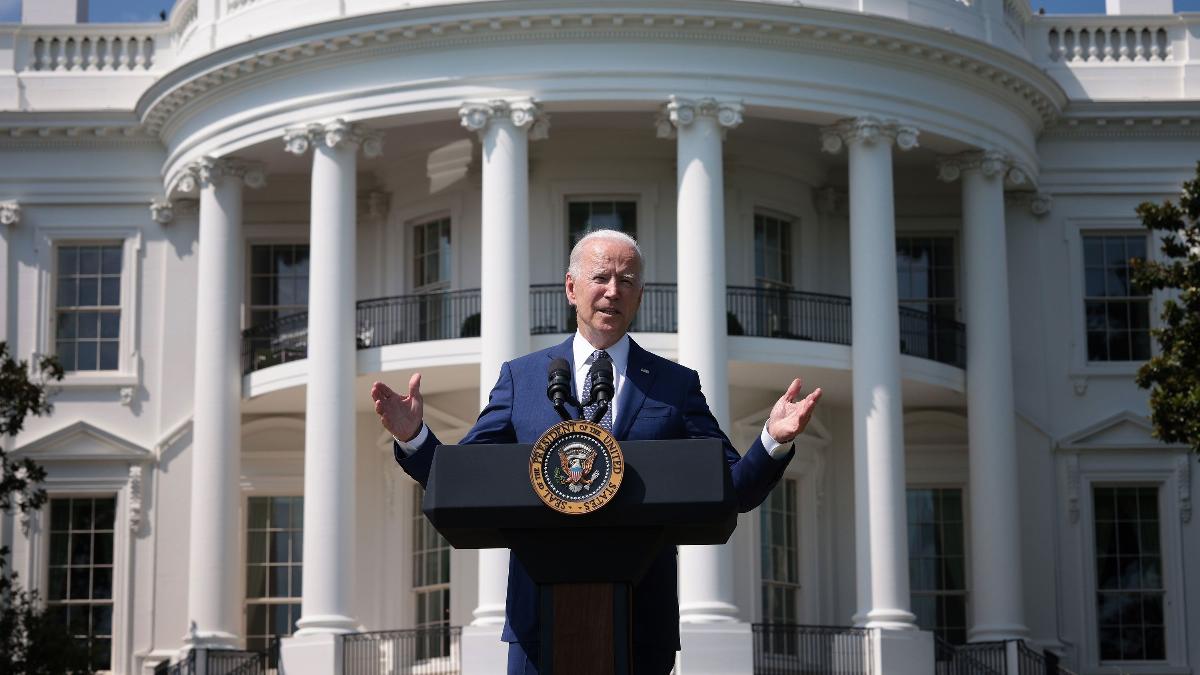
(1173,376)
(32,641)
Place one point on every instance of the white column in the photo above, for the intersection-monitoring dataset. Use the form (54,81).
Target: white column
(705,572)
(505,129)
(10,215)
(213,607)
(995,537)
(881,539)
(329,442)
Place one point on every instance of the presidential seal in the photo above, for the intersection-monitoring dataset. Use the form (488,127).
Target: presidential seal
(576,467)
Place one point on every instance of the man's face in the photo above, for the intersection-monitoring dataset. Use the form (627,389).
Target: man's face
(608,291)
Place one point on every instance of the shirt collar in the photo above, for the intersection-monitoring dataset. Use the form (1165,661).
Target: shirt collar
(582,350)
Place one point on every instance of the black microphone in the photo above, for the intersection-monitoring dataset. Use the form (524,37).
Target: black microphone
(559,387)
(602,387)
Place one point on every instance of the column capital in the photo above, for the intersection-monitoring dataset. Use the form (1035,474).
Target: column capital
(212,170)
(10,213)
(682,112)
(991,163)
(867,129)
(337,133)
(162,211)
(523,113)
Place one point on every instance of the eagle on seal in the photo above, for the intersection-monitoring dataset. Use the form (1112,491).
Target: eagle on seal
(577,460)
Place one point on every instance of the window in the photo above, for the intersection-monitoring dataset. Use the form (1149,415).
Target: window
(928,299)
(88,306)
(936,563)
(1129,574)
(81,571)
(780,565)
(585,216)
(431,583)
(772,252)
(1118,316)
(274,561)
(925,272)
(431,255)
(431,273)
(278,281)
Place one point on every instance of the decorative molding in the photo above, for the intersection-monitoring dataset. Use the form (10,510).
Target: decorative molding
(212,170)
(333,134)
(867,129)
(523,113)
(162,211)
(1183,481)
(1123,126)
(922,48)
(75,136)
(10,213)
(374,204)
(127,396)
(1073,488)
(1039,204)
(135,498)
(1079,385)
(682,112)
(829,200)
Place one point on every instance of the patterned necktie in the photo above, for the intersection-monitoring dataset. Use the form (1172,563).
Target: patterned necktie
(589,410)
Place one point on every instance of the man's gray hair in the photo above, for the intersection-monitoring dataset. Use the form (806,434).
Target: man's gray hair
(607,235)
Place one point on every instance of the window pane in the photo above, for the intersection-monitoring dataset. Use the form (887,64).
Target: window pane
(102,583)
(109,354)
(68,292)
(89,291)
(1130,584)
(110,325)
(89,260)
(110,291)
(86,356)
(68,260)
(110,260)
(65,328)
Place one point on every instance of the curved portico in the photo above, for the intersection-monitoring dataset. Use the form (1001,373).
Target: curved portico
(259,94)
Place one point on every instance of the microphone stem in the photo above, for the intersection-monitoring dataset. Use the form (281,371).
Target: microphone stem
(601,409)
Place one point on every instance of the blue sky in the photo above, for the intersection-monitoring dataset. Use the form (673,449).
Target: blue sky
(107,11)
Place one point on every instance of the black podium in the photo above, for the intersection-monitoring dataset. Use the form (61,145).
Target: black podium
(673,492)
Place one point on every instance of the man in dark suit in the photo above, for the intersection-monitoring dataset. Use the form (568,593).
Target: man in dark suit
(654,399)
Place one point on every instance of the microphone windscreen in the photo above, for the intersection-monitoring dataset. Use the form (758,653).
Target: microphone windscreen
(559,364)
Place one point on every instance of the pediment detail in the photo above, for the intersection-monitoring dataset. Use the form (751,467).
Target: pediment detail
(82,441)
(1121,431)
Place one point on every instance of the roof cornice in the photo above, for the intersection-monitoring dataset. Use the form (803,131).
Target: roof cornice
(451,26)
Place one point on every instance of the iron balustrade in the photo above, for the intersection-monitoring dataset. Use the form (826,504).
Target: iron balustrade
(792,649)
(976,658)
(1033,662)
(751,312)
(428,651)
(217,662)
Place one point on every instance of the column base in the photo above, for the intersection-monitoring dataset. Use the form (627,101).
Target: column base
(886,619)
(489,615)
(708,612)
(995,632)
(312,654)
(208,639)
(715,649)
(901,652)
(482,650)
(325,624)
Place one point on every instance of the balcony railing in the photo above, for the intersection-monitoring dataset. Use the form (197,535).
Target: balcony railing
(790,649)
(992,658)
(427,651)
(217,662)
(754,312)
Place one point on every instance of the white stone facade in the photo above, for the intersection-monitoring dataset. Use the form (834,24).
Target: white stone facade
(353,128)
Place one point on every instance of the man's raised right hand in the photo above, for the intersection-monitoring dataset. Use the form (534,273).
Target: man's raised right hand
(399,413)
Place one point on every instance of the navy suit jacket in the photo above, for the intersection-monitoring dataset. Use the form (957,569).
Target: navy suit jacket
(659,400)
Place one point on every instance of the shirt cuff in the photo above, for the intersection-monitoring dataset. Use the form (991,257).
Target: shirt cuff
(773,447)
(409,447)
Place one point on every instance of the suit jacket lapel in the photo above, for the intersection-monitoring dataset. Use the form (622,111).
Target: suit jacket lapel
(564,350)
(639,377)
